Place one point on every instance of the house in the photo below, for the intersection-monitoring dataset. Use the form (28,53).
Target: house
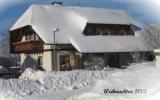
(83,33)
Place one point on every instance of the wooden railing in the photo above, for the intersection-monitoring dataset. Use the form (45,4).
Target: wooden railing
(33,46)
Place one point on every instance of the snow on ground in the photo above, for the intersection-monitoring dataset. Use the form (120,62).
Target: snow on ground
(45,82)
(141,76)
(85,85)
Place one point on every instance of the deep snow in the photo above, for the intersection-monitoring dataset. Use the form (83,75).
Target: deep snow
(140,76)
(84,85)
(45,82)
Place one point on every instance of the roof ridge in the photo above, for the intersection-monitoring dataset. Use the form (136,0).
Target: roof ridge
(73,7)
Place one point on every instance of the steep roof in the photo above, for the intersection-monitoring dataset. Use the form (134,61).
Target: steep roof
(72,20)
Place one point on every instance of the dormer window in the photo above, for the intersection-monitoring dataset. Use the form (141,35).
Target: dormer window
(108,29)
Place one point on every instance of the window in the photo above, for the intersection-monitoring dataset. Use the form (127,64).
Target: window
(27,37)
(36,37)
(31,37)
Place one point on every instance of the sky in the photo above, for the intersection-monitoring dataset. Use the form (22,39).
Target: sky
(144,10)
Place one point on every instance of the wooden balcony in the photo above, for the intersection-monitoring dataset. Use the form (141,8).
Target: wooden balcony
(32,46)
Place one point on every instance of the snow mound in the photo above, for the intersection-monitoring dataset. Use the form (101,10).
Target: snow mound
(39,82)
(85,84)
(144,77)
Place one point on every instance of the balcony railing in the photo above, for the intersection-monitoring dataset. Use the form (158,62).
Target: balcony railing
(33,46)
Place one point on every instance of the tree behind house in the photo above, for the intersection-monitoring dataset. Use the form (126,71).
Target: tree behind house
(7,59)
(152,36)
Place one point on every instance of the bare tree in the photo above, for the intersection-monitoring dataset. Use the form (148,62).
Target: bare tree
(152,36)
(7,59)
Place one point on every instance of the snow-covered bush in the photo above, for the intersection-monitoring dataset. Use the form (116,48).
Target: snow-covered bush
(94,62)
(151,36)
(7,59)
(138,57)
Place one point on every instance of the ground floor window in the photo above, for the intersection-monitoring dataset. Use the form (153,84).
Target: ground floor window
(40,61)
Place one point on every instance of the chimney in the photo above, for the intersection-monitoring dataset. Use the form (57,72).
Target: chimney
(57,3)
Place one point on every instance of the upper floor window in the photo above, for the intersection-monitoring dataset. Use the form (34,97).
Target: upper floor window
(108,29)
(31,37)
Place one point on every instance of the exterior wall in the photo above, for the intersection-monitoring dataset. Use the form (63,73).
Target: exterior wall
(76,61)
(47,59)
(31,60)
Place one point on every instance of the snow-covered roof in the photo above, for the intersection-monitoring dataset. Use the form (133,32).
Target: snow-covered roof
(71,22)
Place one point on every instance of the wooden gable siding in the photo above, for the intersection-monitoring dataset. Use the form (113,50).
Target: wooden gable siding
(32,45)
(25,40)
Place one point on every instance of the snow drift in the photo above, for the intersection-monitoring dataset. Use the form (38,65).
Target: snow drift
(38,83)
(143,77)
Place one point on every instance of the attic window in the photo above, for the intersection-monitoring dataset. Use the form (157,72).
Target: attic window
(108,29)
(31,37)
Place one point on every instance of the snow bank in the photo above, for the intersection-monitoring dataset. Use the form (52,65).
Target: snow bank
(39,82)
(72,85)
(144,77)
